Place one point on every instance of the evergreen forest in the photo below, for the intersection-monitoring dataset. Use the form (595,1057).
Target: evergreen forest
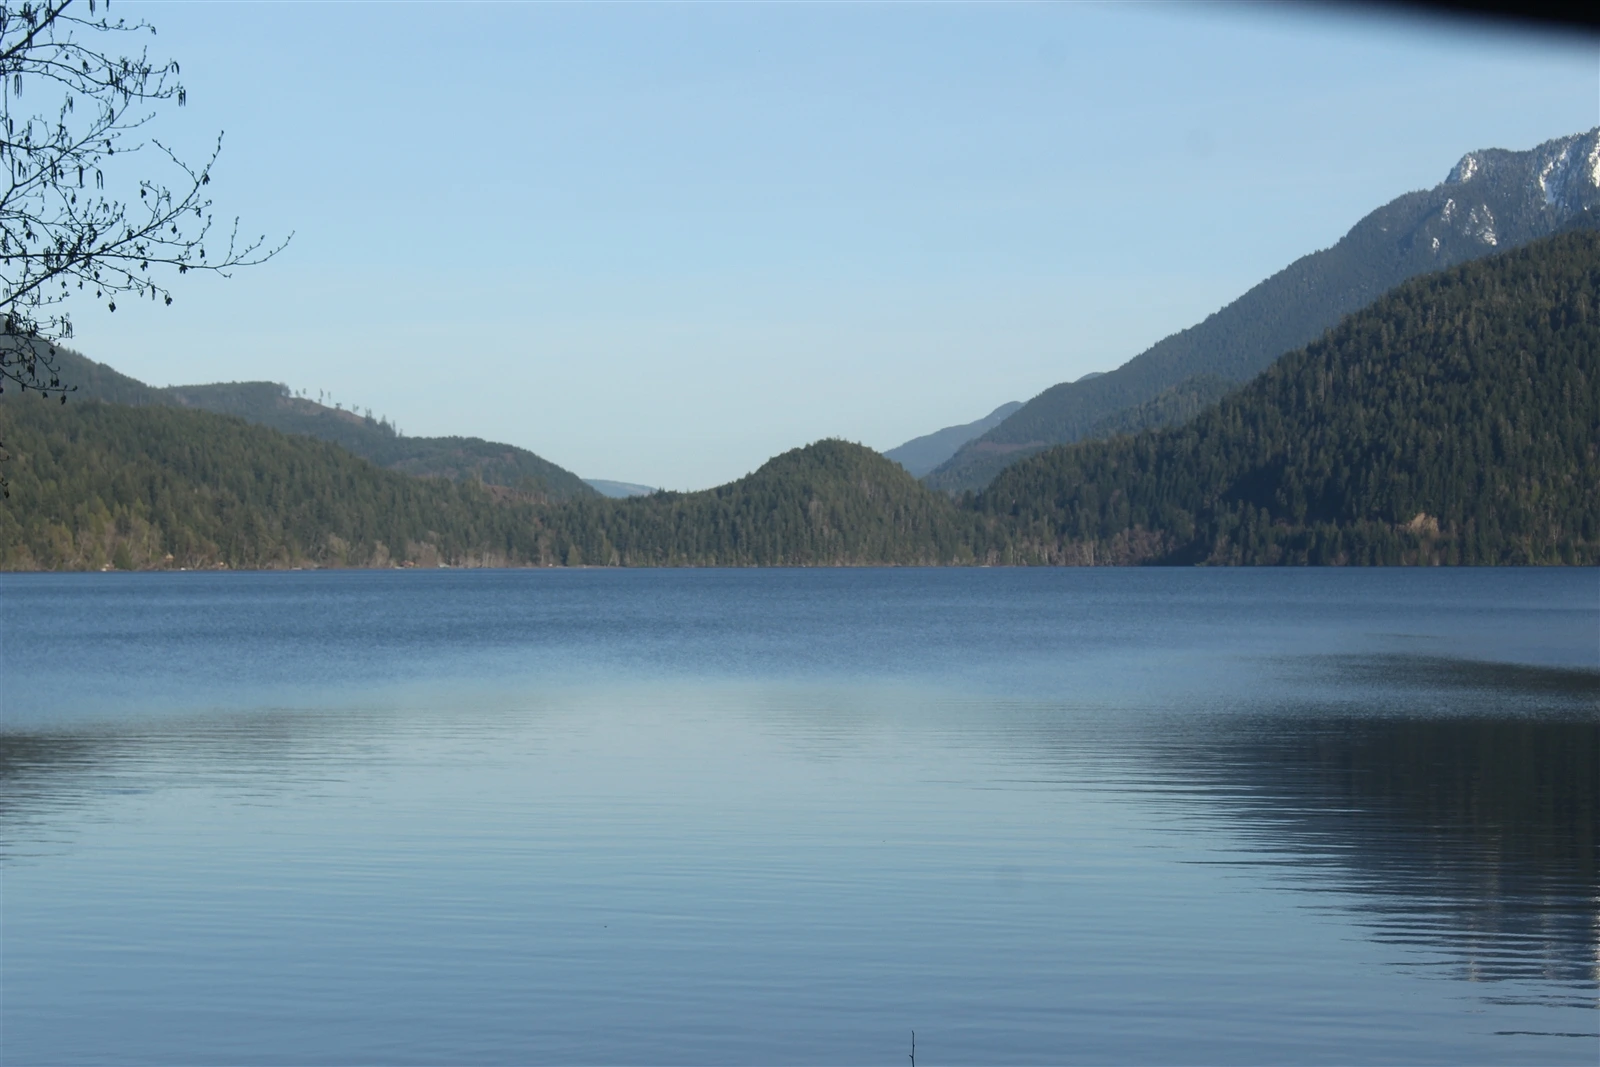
(1456,420)
(272,404)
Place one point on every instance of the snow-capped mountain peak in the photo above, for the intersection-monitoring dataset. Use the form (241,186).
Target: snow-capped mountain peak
(1462,171)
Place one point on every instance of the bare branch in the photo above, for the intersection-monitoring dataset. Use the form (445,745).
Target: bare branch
(62,233)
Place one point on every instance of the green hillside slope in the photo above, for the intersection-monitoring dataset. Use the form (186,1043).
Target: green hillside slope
(271,404)
(456,458)
(95,484)
(830,503)
(89,380)
(1457,420)
(1491,201)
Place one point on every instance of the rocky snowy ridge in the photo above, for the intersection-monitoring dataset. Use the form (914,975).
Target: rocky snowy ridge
(1565,171)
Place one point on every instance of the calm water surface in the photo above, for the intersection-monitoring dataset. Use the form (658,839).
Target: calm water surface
(790,816)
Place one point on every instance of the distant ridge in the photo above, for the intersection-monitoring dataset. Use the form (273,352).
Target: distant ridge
(618,490)
(921,454)
(1490,201)
(272,404)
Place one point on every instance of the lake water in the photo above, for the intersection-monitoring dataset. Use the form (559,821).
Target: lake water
(1136,816)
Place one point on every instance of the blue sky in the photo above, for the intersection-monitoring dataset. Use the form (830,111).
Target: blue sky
(661,243)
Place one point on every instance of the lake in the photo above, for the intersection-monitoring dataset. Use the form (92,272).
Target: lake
(702,816)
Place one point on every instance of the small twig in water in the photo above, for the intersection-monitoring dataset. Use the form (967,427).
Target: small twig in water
(913,1048)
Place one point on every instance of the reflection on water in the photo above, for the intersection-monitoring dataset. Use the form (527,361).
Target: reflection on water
(1464,828)
(1289,855)
(1472,838)
(1575,690)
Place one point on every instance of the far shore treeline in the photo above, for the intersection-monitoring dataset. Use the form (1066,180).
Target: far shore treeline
(1454,421)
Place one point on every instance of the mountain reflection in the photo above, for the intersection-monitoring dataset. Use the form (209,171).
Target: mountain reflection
(47,774)
(1470,835)
(1450,807)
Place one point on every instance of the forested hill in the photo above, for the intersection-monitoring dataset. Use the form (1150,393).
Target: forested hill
(1457,420)
(271,404)
(94,485)
(97,485)
(831,503)
(1491,201)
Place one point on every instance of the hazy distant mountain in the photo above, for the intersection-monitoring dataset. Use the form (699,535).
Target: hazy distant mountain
(921,454)
(271,404)
(1491,200)
(618,490)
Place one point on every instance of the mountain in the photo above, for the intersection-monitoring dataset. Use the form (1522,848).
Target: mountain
(618,490)
(96,485)
(921,454)
(1456,420)
(271,404)
(1172,406)
(97,381)
(831,503)
(150,486)
(1491,201)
